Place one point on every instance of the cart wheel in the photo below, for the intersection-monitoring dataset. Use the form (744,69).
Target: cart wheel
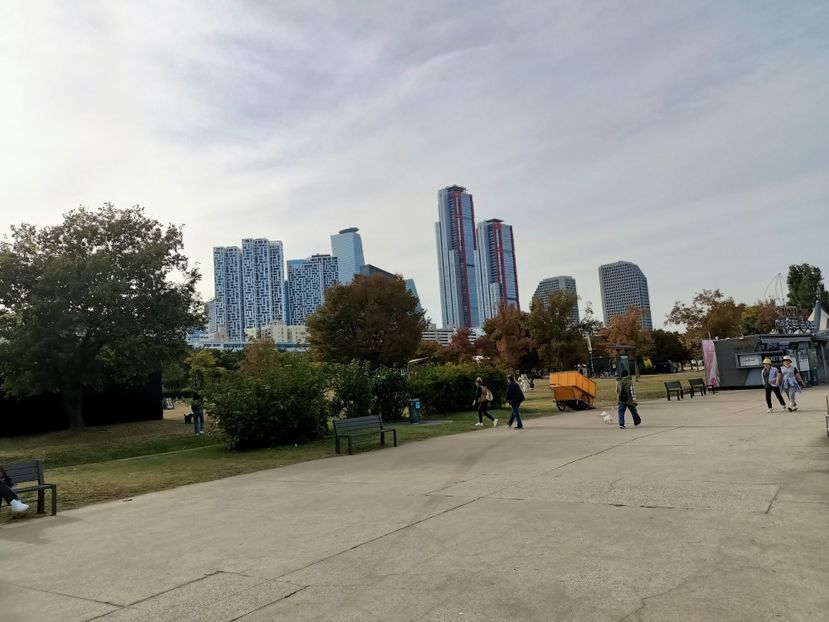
(561,405)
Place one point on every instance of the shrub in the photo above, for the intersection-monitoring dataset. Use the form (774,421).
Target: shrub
(451,387)
(390,393)
(275,402)
(351,388)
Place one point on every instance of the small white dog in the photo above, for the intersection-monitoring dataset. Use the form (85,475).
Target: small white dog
(606,417)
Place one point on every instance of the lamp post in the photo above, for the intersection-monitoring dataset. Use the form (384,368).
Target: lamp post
(590,352)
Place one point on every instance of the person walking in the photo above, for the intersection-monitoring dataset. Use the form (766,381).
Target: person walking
(791,382)
(9,496)
(514,397)
(626,399)
(771,382)
(197,407)
(482,399)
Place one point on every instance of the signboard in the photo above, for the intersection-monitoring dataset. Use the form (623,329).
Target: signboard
(749,360)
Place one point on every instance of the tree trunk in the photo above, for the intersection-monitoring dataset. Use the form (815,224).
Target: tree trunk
(73,405)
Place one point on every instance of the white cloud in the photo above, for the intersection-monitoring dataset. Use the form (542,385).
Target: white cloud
(688,138)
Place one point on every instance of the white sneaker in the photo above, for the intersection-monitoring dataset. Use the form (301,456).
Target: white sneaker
(479,424)
(494,422)
(770,410)
(18,506)
(794,407)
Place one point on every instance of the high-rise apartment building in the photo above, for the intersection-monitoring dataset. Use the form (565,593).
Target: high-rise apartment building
(347,247)
(623,284)
(307,281)
(227,280)
(554,284)
(262,277)
(455,233)
(248,287)
(495,268)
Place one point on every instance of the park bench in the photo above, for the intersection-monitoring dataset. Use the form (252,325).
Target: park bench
(361,426)
(697,385)
(674,387)
(30,471)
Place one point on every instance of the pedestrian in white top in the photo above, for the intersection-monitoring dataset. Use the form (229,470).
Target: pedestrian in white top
(791,382)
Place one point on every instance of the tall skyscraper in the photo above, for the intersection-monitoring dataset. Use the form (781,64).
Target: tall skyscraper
(248,286)
(495,268)
(557,283)
(623,284)
(455,233)
(262,277)
(307,281)
(347,247)
(227,281)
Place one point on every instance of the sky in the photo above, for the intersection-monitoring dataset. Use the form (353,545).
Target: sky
(691,138)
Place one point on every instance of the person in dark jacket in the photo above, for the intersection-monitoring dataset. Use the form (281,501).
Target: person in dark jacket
(514,397)
(626,400)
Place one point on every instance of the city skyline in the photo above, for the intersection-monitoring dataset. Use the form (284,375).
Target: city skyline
(677,136)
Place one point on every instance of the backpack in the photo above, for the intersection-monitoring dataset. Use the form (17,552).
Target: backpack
(487,394)
(623,394)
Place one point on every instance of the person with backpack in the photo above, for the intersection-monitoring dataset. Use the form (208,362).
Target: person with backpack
(514,397)
(791,382)
(483,397)
(626,399)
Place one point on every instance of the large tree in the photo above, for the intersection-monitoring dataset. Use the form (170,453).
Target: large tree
(509,332)
(560,342)
(806,287)
(626,329)
(667,346)
(710,314)
(92,299)
(759,318)
(373,320)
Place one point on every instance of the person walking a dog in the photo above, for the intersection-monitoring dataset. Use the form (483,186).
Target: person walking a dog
(771,383)
(483,396)
(626,399)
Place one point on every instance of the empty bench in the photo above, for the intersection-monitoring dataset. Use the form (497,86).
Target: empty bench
(29,472)
(674,387)
(361,426)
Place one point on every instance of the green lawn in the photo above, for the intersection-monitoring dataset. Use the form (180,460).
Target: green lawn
(120,461)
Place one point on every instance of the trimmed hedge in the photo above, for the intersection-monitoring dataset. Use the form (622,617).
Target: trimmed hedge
(451,387)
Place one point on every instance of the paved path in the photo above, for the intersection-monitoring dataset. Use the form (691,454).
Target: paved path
(711,510)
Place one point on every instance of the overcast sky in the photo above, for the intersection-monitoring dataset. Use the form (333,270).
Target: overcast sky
(689,138)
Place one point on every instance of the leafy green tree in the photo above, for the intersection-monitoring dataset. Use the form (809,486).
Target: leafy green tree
(560,342)
(759,318)
(275,398)
(667,346)
(806,287)
(374,319)
(709,315)
(92,299)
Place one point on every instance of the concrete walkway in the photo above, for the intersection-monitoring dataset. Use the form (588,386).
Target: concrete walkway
(711,510)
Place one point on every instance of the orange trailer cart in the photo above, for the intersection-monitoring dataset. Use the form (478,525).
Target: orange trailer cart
(572,390)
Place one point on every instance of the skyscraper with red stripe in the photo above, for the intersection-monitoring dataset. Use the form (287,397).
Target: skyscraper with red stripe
(456,245)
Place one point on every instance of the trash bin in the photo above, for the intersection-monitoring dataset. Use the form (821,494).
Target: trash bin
(414,411)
